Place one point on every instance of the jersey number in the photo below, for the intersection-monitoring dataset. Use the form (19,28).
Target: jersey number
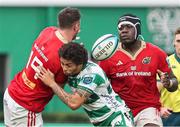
(32,64)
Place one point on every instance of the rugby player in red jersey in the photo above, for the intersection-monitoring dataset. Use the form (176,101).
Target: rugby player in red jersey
(26,96)
(132,71)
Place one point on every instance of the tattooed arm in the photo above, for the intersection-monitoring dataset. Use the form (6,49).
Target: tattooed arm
(74,101)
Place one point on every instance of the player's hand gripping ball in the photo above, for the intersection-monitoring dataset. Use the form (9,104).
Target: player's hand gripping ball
(104,47)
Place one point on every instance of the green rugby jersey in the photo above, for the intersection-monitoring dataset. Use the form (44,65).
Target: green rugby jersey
(103,104)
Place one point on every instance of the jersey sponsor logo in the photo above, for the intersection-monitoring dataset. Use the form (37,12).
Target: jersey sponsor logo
(133,73)
(88,80)
(146,60)
(30,84)
(111,101)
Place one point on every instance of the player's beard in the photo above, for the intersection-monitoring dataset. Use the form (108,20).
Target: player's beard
(127,39)
(128,43)
(74,37)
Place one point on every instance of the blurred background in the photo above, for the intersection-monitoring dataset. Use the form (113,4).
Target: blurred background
(21,21)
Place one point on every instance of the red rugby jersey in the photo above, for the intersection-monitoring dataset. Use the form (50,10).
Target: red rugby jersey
(134,78)
(25,88)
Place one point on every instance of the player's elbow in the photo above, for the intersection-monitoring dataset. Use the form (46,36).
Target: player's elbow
(74,106)
(75,102)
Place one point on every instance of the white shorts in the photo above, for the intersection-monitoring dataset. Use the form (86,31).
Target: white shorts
(17,116)
(148,115)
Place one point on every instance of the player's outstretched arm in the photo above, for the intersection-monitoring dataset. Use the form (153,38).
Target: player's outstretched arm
(74,101)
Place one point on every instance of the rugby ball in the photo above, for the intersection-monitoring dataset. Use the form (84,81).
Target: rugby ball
(104,47)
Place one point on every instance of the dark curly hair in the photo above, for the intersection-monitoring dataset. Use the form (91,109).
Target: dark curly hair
(74,52)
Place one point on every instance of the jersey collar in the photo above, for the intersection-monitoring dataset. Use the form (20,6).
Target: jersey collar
(143,45)
(176,57)
(60,37)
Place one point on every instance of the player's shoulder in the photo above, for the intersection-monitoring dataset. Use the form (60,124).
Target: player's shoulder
(50,28)
(46,32)
(91,66)
(154,48)
(172,56)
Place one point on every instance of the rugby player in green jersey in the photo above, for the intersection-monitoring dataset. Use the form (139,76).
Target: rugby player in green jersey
(90,86)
